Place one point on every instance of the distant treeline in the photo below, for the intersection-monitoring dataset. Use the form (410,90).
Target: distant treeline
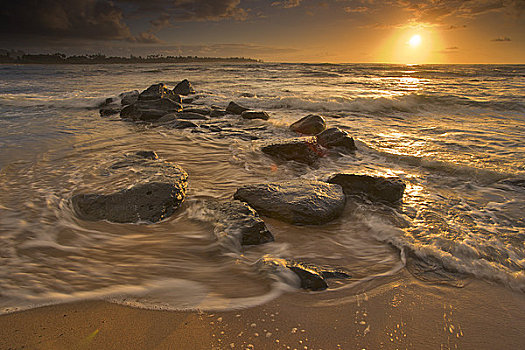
(59,58)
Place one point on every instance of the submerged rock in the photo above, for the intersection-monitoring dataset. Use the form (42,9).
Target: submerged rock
(312,277)
(238,221)
(152,155)
(387,189)
(215,113)
(302,150)
(310,125)
(191,116)
(234,108)
(137,188)
(200,110)
(296,202)
(184,88)
(255,115)
(183,124)
(109,110)
(336,138)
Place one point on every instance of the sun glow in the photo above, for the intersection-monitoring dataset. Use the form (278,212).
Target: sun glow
(415,40)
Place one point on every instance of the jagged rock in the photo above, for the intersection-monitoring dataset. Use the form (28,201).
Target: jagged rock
(152,155)
(184,88)
(183,124)
(129,98)
(255,115)
(310,125)
(303,150)
(237,221)
(159,91)
(150,110)
(335,137)
(234,108)
(135,189)
(387,189)
(311,276)
(296,202)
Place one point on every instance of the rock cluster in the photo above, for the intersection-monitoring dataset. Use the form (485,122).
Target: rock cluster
(160,193)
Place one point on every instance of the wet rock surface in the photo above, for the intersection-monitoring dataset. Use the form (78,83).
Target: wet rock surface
(255,115)
(144,190)
(129,98)
(296,202)
(159,91)
(388,189)
(234,108)
(430,269)
(302,150)
(184,88)
(310,125)
(237,221)
(311,276)
(150,110)
(336,138)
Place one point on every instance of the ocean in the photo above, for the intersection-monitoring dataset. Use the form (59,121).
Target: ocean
(453,133)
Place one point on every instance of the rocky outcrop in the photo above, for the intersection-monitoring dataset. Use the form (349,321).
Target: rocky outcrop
(336,138)
(302,150)
(310,125)
(255,115)
(215,113)
(184,88)
(237,221)
(234,108)
(388,189)
(296,202)
(159,91)
(150,110)
(137,189)
(311,277)
(183,124)
(129,98)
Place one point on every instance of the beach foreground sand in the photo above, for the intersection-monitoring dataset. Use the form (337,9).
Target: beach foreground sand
(401,314)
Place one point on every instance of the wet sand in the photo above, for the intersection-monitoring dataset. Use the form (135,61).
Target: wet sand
(401,314)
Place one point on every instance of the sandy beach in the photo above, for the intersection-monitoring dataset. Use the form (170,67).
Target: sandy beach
(401,314)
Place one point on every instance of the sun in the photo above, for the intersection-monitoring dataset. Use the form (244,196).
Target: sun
(415,40)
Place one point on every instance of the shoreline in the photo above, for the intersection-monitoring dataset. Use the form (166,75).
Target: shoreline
(404,313)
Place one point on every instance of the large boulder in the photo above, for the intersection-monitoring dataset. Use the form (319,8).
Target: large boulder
(150,110)
(255,115)
(184,88)
(159,91)
(336,138)
(311,276)
(236,222)
(296,202)
(234,108)
(310,125)
(138,188)
(129,98)
(302,150)
(388,189)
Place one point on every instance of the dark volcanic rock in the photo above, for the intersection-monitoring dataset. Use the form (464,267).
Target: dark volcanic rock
(135,189)
(214,113)
(335,137)
(234,108)
(150,110)
(303,150)
(310,125)
(387,189)
(255,115)
(159,91)
(191,116)
(200,110)
(129,98)
(109,110)
(297,202)
(238,221)
(183,124)
(311,276)
(184,88)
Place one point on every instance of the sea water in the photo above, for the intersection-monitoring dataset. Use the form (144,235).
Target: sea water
(453,133)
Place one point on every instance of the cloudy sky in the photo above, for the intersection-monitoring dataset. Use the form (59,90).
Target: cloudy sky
(455,31)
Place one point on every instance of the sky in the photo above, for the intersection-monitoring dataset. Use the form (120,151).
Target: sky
(336,31)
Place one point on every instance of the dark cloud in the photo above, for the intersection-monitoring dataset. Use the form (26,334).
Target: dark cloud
(502,39)
(287,3)
(144,38)
(94,19)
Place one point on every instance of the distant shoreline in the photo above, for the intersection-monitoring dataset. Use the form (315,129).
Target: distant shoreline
(101,59)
